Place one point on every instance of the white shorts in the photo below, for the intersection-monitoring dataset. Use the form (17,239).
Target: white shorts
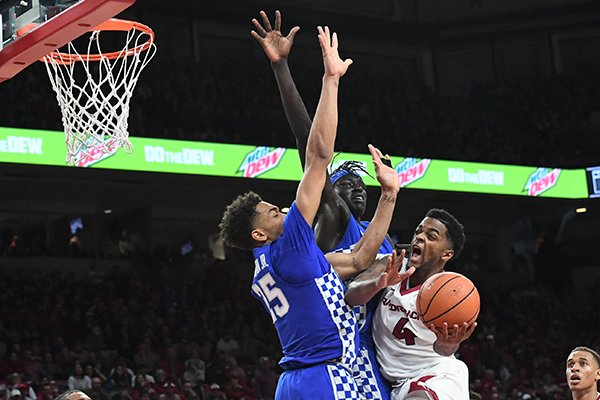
(447,380)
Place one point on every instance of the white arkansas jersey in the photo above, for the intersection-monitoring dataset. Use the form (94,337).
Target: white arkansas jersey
(404,344)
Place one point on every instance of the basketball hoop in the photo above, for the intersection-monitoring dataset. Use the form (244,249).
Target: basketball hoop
(94,89)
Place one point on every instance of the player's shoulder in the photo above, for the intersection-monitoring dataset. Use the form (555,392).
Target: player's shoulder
(388,292)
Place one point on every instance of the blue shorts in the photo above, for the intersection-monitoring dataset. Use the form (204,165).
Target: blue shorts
(327,381)
(371,384)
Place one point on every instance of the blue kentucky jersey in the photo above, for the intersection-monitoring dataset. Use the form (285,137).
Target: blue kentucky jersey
(366,371)
(364,313)
(305,298)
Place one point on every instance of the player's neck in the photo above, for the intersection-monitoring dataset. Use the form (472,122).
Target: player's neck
(414,281)
(418,277)
(587,394)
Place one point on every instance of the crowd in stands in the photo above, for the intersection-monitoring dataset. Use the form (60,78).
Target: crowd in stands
(135,336)
(185,333)
(541,121)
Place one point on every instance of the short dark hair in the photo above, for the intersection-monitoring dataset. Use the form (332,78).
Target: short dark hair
(591,351)
(238,221)
(456,231)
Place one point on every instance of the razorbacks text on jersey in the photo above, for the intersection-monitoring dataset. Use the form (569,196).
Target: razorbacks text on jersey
(305,298)
(405,349)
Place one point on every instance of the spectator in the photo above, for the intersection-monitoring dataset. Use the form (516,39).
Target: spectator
(146,358)
(48,392)
(32,366)
(16,247)
(172,365)
(215,393)
(15,394)
(234,371)
(165,386)
(189,393)
(118,380)
(142,387)
(49,368)
(95,340)
(78,380)
(75,244)
(265,379)
(15,381)
(126,248)
(12,365)
(490,356)
(97,391)
(94,372)
(216,370)
(251,347)
(195,370)
(236,391)
(128,371)
(227,344)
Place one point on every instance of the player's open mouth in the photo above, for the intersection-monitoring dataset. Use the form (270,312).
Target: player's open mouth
(359,198)
(415,253)
(575,379)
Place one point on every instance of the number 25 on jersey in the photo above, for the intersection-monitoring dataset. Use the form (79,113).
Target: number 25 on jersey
(272,296)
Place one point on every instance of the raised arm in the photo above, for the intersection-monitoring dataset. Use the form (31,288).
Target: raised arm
(277,49)
(333,216)
(364,252)
(321,139)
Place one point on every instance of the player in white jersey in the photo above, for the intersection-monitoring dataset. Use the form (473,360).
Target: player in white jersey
(418,360)
(583,373)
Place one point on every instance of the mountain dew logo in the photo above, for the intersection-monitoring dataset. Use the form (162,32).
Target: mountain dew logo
(541,180)
(411,169)
(261,160)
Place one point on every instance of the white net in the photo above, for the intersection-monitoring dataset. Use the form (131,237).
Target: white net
(94,91)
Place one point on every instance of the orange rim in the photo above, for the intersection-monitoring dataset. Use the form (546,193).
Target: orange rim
(112,24)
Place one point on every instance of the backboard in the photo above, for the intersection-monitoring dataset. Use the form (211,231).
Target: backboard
(33,28)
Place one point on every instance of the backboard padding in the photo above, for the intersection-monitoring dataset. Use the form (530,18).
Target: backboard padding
(56,32)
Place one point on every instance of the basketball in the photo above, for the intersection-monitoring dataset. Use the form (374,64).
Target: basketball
(448,297)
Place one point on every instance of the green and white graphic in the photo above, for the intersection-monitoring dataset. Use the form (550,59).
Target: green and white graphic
(25,146)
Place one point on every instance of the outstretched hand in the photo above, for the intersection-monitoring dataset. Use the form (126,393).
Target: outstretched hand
(334,66)
(392,275)
(275,45)
(387,176)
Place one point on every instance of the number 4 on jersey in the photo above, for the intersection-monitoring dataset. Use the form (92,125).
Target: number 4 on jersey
(402,333)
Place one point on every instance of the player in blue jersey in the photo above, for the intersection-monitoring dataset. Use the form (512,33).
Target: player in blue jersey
(296,283)
(345,196)
(338,225)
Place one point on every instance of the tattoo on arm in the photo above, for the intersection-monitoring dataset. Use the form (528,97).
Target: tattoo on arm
(388,198)
(374,270)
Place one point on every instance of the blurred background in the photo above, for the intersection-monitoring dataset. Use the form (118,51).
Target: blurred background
(116,282)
